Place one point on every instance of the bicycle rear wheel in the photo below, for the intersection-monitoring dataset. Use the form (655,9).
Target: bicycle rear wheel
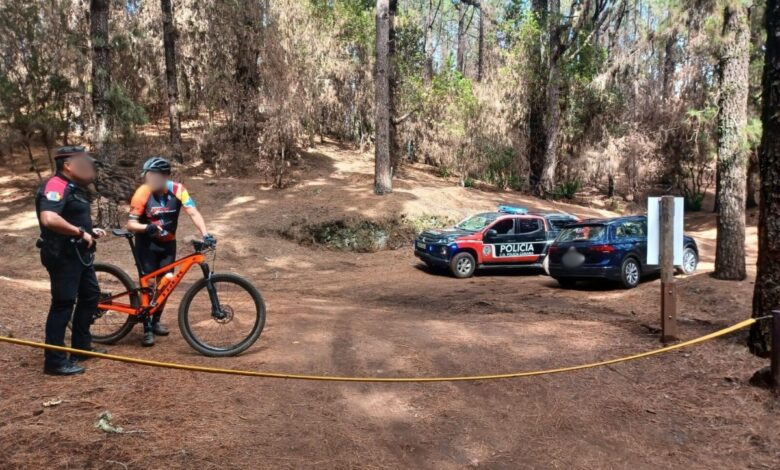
(109,326)
(234,328)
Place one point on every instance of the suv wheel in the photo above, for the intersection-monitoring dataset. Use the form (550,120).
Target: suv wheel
(566,282)
(690,261)
(463,265)
(630,273)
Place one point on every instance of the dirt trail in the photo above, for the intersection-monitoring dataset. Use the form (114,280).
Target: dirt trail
(383,314)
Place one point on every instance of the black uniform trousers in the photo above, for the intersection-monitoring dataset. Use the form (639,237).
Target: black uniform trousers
(72,284)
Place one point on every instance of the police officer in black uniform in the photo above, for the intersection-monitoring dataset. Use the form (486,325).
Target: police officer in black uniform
(67,248)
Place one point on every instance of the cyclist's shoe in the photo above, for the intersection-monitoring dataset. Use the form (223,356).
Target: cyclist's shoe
(67,368)
(75,358)
(148,339)
(159,329)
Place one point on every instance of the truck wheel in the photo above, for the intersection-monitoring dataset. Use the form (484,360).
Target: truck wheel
(630,273)
(463,265)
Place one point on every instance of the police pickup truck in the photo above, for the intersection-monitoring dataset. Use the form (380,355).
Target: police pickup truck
(511,237)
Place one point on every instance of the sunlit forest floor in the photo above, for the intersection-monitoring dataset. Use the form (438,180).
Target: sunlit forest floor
(384,314)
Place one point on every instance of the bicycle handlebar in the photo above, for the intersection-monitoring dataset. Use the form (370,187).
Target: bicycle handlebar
(203,245)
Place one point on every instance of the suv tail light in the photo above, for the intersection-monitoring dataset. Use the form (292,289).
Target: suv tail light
(602,248)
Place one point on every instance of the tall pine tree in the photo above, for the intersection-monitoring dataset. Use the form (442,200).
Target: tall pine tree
(732,164)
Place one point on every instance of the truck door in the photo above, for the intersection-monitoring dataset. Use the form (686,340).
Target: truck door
(522,243)
(531,238)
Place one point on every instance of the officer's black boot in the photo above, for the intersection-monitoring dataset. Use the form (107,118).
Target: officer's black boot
(76,358)
(66,368)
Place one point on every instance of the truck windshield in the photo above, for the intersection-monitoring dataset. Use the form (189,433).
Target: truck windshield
(477,222)
(582,233)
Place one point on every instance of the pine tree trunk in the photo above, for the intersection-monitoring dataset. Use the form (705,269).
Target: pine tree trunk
(716,204)
(99,12)
(767,291)
(385,10)
(169,43)
(732,118)
(552,120)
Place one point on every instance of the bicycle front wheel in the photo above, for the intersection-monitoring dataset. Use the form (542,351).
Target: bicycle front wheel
(228,330)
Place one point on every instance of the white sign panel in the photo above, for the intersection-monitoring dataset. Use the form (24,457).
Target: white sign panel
(654,230)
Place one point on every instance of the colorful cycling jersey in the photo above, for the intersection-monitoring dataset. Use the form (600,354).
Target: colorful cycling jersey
(160,209)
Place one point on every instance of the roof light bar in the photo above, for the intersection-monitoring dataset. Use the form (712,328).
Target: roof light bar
(512,209)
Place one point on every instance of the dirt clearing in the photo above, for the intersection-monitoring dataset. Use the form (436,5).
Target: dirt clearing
(383,313)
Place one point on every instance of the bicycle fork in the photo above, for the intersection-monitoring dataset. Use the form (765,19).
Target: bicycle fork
(216,309)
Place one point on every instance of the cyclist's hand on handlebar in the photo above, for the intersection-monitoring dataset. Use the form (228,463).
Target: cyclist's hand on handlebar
(209,240)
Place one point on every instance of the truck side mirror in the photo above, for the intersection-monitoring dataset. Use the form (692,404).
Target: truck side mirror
(491,233)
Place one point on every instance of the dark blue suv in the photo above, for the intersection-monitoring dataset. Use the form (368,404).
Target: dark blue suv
(613,249)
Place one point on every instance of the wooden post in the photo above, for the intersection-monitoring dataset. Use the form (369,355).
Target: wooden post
(668,285)
(775,353)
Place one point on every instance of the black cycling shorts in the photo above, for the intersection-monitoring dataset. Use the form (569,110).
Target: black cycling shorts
(154,254)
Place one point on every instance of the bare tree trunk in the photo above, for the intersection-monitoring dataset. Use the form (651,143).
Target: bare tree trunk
(385,11)
(753,182)
(767,291)
(169,43)
(481,46)
(99,13)
(732,118)
(33,163)
(537,140)
(429,20)
(247,74)
(552,96)
(669,65)
(460,54)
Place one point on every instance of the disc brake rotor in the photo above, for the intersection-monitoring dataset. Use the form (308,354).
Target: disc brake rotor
(227,311)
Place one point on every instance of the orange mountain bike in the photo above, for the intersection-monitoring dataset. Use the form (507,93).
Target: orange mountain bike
(219,315)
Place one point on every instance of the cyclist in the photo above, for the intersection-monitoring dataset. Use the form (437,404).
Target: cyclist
(63,208)
(154,216)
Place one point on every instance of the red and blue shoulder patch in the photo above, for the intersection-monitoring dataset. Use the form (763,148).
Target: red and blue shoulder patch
(55,189)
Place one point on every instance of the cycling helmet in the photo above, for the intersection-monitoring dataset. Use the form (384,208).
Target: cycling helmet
(156,164)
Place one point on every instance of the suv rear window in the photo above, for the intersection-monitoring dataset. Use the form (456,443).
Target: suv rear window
(558,223)
(590,233)
(630,230)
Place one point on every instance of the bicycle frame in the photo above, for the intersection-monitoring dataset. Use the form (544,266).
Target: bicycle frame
(151,305)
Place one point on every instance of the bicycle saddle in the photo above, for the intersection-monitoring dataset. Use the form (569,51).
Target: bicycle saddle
(120,232)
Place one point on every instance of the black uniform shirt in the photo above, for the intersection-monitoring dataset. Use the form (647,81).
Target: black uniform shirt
(66,198)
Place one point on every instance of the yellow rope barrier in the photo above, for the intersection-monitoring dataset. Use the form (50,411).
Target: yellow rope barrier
(279,375)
